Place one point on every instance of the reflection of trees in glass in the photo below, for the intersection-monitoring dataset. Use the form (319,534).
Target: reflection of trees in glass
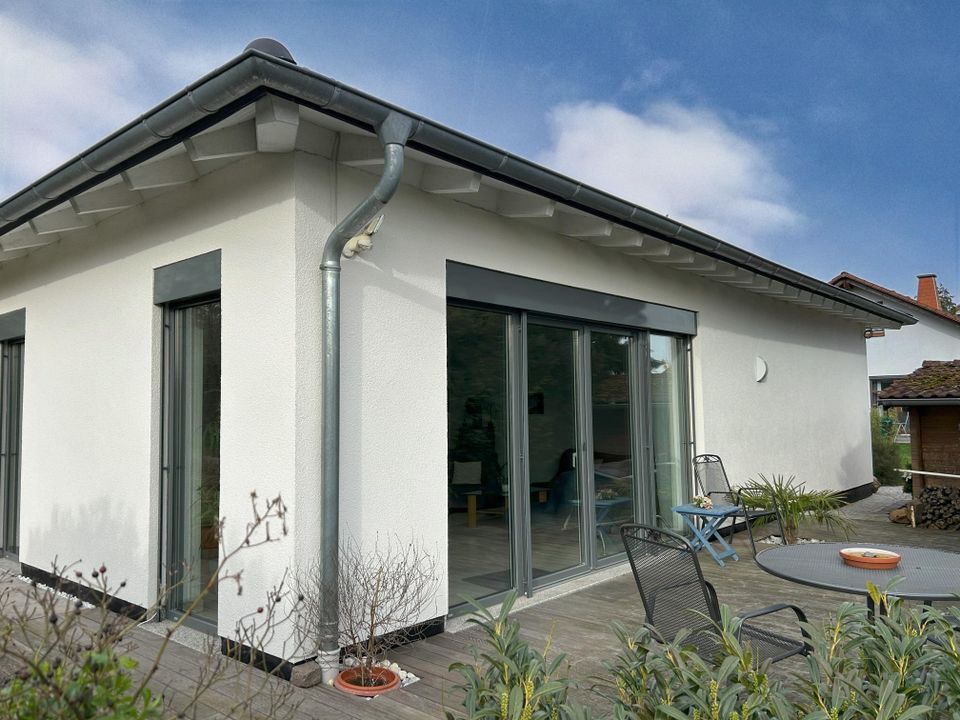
(550,373)
(476,387)
(206,328)
(610,396)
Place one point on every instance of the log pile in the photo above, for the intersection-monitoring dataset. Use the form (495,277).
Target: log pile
(939,508)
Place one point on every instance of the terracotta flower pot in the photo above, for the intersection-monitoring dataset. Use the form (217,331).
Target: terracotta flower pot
(383,678)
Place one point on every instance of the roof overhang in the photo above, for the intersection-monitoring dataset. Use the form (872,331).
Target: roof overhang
(52,205)
(918,402)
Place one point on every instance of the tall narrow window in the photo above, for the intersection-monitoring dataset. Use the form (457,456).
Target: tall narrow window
(192,446)
(11,413)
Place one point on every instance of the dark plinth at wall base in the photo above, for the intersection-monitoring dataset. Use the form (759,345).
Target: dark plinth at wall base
(262,661)
(87,594)
(265,661)
(859,493)
(282,668)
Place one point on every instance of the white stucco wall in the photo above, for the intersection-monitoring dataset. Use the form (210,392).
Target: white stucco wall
(900,352)
(92,403)
(90,488)
(809,418)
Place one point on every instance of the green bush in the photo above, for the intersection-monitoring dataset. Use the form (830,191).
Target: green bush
(97,685)
(902,665)
(886,455)
(652,680)
(509,679)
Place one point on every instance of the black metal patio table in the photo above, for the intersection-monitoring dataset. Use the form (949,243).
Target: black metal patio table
(923,573)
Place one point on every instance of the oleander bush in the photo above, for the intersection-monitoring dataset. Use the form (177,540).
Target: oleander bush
(508,679)
(902,665)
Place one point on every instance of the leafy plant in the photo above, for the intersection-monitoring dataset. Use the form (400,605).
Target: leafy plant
(886,456)
(796,503)
(653,680)
(508,679)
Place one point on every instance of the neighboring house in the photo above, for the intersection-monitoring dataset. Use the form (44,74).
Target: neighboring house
(931,394)
(936,334)
(524,361)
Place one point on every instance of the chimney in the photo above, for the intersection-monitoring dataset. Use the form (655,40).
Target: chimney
(927,291)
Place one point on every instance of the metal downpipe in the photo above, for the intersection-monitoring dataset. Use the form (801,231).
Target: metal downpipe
(393,134)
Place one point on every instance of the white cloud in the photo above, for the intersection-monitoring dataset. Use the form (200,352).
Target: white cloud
(64,87)
(650,77)
(687,163)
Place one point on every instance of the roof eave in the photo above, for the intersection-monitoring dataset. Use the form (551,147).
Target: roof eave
(909,402)
(238,82)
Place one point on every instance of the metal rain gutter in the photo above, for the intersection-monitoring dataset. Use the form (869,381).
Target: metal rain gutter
(237,83)
(918,402)
(393,134)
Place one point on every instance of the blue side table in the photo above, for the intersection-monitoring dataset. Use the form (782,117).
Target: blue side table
(703,537)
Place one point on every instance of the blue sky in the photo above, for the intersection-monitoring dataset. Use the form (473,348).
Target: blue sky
(825,136)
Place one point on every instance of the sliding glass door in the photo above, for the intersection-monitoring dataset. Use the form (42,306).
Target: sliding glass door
(552,437)
(479,447)
(612,384)
(667,381)
(192,450)
(11,416)
(558,433)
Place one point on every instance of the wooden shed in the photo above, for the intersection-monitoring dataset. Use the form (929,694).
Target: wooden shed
(931,394)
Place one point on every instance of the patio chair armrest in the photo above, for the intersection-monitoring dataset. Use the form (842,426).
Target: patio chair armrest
(712,592)
(801,615)
(779,607)
(726,493)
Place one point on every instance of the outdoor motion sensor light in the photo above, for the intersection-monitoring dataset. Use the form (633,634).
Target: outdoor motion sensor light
(364,240)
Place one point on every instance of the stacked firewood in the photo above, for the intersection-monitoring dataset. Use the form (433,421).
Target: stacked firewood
(939,507)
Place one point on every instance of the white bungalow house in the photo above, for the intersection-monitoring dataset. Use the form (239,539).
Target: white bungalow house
(892,356)
(517,364)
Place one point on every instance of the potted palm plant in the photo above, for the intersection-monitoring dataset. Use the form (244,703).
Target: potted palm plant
(796,503)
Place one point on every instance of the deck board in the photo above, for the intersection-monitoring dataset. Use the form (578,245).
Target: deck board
(579,622)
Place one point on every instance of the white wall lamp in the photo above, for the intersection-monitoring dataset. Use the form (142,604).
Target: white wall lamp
(760,369)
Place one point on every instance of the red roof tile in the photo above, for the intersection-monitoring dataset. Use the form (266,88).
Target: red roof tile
(845,280)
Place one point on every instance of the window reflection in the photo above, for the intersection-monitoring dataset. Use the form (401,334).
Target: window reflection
(667,417)
(478,472)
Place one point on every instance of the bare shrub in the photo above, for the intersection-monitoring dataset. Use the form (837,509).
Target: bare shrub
(71,660)
(382,591)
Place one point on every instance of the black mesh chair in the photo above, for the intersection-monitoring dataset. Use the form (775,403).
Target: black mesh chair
(675,597)
(759,510)
(712,481)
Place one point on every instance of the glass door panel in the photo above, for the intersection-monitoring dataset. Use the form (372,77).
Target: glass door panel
(478,431)
(11,396)
(667,418)
(613,485)
(195,456)
(555,499)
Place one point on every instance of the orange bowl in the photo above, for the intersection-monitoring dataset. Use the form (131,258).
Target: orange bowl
(870,558)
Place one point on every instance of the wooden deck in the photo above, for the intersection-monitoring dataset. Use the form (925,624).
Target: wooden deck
(580,623)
